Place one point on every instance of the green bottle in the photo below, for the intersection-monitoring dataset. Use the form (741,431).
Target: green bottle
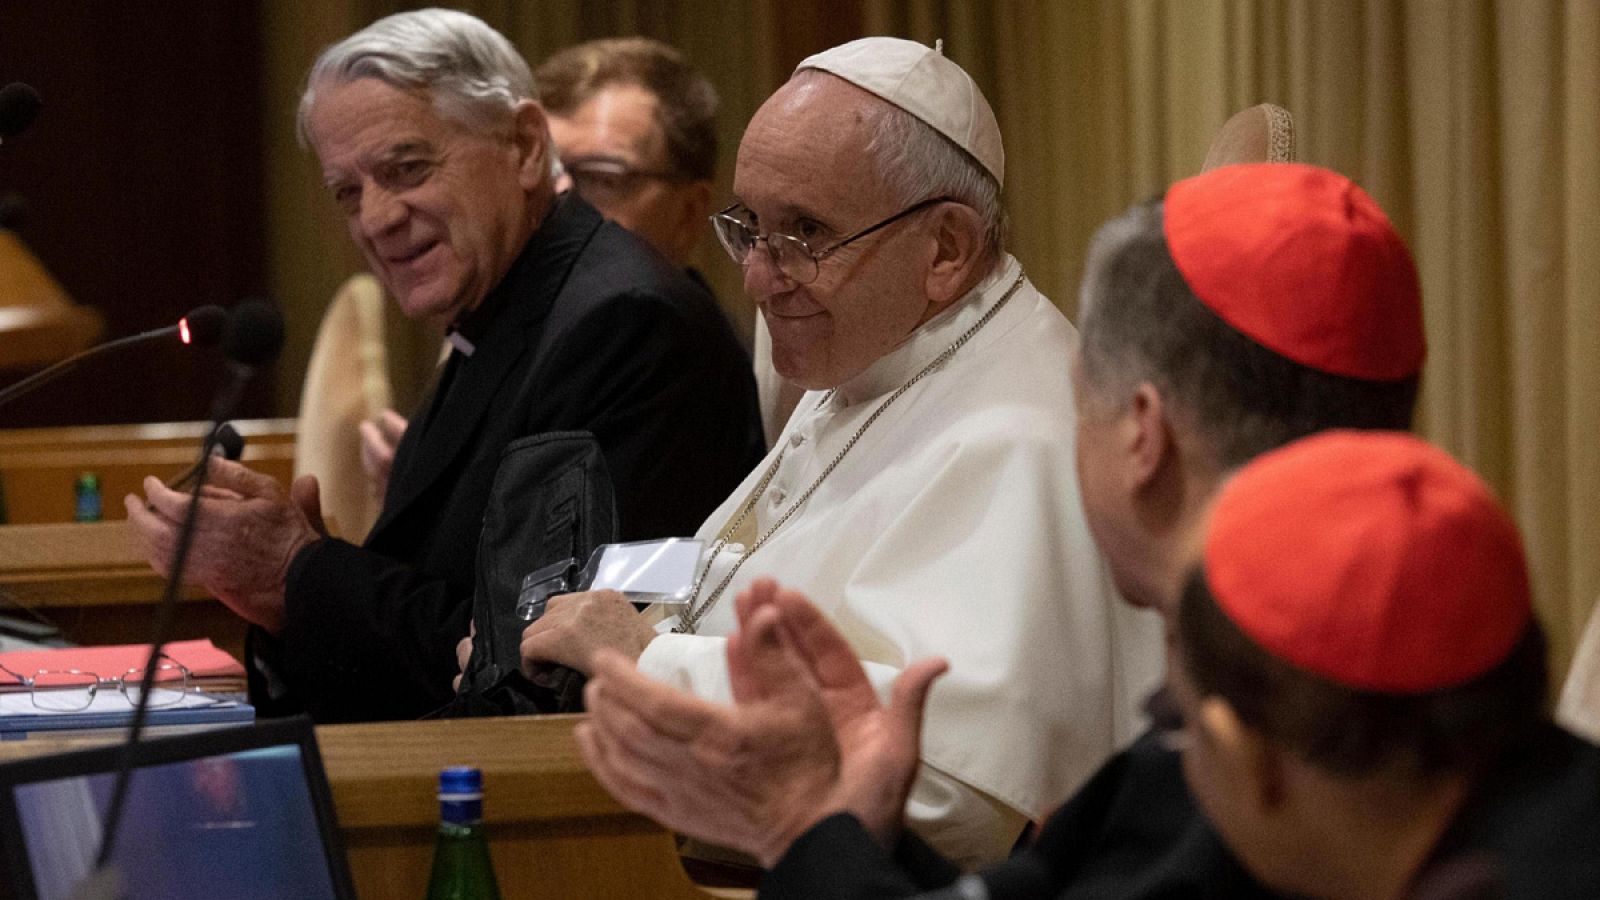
(461,866)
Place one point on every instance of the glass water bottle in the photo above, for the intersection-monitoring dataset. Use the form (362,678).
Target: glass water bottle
(461,866)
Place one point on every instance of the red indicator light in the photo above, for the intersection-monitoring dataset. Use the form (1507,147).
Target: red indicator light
(183,329)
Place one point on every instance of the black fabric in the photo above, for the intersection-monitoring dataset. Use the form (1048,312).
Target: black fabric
(551,504)
(1134,832)
(591,331)
(1530,831)
(1130,832)
(1534,821)
(838,859)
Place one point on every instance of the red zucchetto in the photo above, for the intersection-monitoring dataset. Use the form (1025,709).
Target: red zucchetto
(1371,559)
(1302,261)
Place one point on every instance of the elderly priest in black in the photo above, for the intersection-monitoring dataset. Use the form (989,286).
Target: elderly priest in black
(440,160)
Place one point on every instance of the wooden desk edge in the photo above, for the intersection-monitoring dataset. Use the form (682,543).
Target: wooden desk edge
(385,775)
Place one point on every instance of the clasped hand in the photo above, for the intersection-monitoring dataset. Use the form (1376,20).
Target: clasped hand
(805,738)
(249,530)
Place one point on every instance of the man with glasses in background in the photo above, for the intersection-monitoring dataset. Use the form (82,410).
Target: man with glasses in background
(924,491)
(636,131)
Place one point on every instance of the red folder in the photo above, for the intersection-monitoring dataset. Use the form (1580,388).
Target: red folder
(200,657)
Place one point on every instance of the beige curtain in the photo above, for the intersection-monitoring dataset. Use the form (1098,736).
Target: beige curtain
(1475,123)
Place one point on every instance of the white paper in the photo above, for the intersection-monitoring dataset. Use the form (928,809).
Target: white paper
(106,700)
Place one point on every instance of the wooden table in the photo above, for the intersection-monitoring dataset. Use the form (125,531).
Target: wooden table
(91,581)
(40,466)
(553,831)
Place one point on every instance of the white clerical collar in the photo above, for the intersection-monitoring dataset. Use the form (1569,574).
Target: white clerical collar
(931,339)
(460,342)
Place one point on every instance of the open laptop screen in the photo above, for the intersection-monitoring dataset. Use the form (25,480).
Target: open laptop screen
(239,813)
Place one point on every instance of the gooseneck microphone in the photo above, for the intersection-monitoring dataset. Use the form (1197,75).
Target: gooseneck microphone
(226,442)
(19,106)
(253,338)
(254,335)
(202,327)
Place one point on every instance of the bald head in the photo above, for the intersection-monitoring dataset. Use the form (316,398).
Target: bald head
(820,129)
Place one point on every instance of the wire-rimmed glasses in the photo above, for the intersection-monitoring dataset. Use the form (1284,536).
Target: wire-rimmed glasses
(603,180)
(71,690)
(792,256)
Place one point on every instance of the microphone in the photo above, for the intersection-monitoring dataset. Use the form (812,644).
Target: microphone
(229,441)
(226,442)
(252,339)
(202,327)
(254,334)
(19,106)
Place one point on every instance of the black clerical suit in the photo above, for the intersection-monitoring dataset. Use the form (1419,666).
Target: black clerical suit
(590,330)
(1529,831)
(1130,832)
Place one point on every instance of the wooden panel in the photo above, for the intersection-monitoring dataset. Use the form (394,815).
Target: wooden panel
(90,580)
(554,832)
(40,466)
(76,564)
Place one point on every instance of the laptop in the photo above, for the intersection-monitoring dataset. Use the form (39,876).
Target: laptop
(231,813)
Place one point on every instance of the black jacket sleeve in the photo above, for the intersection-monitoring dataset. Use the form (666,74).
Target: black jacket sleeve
(1131,833)
(838,859)
(672,408)
(369,636)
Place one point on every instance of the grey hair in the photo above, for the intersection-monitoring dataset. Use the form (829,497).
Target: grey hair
(1106,352)
(470,71)
(917,162)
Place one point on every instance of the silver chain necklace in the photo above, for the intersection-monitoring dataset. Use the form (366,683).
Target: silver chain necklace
(690,618)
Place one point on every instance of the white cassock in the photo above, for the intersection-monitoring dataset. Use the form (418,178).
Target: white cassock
(953,528)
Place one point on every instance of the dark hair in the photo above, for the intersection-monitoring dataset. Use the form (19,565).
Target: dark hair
(1352,732)
(1140,322)
(686,103)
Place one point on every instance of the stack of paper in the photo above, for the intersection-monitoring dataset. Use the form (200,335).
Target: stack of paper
(215,681)
(20,718)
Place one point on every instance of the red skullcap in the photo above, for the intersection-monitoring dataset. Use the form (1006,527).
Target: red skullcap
(1300,260)
(1371,559)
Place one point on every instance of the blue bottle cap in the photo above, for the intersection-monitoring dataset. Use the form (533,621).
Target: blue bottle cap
(461,780)
(461,795)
